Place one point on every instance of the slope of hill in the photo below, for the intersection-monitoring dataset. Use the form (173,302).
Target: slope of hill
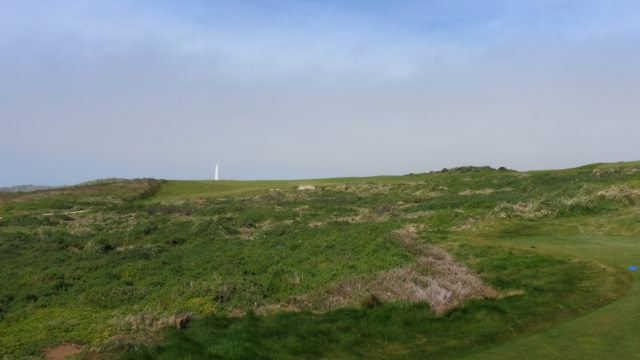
(422,265)
(26,188)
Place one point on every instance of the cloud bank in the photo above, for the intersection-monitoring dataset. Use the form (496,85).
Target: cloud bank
(307,89)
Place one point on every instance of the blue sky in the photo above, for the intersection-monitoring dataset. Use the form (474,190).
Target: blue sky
(301,89)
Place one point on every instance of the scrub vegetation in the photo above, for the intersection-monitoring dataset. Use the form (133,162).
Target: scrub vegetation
(414,266)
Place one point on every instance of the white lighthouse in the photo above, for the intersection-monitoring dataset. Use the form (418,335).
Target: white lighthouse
(215,176)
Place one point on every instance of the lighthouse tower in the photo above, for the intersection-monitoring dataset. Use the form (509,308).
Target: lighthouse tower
(215,176)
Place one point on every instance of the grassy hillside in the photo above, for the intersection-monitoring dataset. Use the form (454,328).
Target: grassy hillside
(176,190)
(424,265)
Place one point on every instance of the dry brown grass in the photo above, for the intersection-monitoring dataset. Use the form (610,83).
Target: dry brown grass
(149,321)
(266,225)
(302,210)
(380,188)
(247,233)
(378,214)
(521,209)
(145,327)
(614,171)
(381,214)
(366,189)
(81,222)
(316,224)
(466,226)
(486,191)
(591,194)
(125,247)
(416,214)
(408,234)
(514,293)
(619,193)
(427,193)
(291,194)
(115,191)
(436,277)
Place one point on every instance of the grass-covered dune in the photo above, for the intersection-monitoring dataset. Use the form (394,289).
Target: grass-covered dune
(467,262)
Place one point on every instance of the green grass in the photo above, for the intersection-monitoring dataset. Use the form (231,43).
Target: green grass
(406,331)
(149,254)
(609,332)
(621,164)
(175,190)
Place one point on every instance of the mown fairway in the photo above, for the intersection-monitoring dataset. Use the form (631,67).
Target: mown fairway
(610,332)
(434,265)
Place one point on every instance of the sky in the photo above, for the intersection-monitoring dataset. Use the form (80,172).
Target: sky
(313,89)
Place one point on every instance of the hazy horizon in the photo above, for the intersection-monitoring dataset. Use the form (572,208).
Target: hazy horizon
(296,178)
(313,89)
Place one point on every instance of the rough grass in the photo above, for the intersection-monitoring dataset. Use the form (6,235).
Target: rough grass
(385,267)
(435,278)
(382,330)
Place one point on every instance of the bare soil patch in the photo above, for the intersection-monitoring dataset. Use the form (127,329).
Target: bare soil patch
(62,351)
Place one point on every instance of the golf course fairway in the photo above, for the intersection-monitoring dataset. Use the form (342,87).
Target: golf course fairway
(611,332)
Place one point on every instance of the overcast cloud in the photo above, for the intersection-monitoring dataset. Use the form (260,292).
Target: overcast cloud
(307,89)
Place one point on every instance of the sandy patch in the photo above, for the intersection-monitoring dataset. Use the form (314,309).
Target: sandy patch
(61,351)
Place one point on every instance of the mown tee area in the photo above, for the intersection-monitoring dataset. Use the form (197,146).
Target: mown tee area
(440,265)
